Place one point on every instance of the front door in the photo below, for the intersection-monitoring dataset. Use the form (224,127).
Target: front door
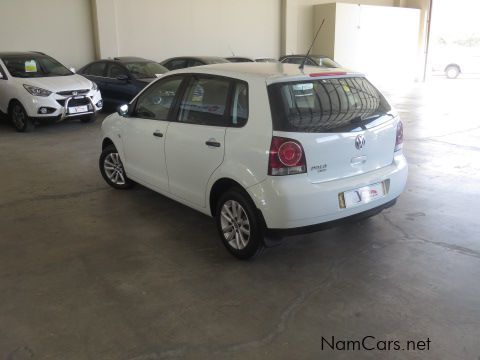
(195,144)
(144,133)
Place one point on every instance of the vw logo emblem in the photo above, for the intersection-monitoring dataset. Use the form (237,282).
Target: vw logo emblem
(359,142)
(74,93)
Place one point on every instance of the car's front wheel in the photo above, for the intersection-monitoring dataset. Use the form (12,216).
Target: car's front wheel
(112,169)
(238,224)
(20,119)
(452,71)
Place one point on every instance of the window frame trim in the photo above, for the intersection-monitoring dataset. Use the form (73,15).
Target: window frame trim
(227,116)
(180,91)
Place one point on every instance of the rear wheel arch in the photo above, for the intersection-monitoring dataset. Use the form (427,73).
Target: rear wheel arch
(453,65)
(220,187)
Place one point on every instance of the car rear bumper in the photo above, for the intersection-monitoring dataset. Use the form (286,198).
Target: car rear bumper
(291,202)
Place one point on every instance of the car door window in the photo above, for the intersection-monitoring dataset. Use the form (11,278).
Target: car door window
(115,70)
(96,69)
(205,101)
(156,101)
(176,64)
(293,60)
(4,75)
(194,62)
(239,109)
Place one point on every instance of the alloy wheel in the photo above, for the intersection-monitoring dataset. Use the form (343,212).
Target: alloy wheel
(114,169)
(235,225)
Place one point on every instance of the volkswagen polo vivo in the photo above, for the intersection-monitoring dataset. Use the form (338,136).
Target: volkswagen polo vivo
(266,149)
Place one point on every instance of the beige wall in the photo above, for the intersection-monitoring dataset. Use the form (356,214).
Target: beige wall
(161,29)
(60,28)
(299,27)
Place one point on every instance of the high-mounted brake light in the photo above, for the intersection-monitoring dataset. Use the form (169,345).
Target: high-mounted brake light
(333,73)
(286,157)
(399,137)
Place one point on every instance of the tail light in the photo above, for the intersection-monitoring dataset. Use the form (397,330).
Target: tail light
(399,138)
(286,157)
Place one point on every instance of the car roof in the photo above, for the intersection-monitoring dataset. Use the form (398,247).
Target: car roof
(299,55)
(205,58)
(128,59)
(22,53)
(270,72)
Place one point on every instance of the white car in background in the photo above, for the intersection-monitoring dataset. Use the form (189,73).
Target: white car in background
(36,88)
(266,149)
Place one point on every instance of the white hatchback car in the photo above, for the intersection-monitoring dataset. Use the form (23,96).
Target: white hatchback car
(266,149)
(36,88)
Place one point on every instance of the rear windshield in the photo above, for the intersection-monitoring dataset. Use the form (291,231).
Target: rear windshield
(327,105)
(33,66)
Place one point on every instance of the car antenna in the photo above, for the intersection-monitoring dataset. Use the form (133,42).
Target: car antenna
(233,54)
(302,65)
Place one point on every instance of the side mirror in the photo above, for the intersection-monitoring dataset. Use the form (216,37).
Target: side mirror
(72,69)
(123,77)
(123,110)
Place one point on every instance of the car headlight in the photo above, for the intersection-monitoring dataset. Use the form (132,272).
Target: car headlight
(36,91)
(94,86)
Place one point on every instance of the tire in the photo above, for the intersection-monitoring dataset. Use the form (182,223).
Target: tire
(89,118)
(452,71)
(112,170)
(233,208)
(19,118)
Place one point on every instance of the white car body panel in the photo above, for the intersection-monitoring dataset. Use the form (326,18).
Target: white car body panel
(12,88)
(286,202)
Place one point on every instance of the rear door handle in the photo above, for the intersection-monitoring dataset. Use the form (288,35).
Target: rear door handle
(157,134)
(212,142)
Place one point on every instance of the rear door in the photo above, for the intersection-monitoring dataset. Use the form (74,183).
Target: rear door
(344,125)
(195,143)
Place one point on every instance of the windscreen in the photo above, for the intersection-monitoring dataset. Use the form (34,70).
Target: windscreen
(327,105)
(145,70)
(34,66)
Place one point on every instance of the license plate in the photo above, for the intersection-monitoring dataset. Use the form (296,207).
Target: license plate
(361,195)
(77,109)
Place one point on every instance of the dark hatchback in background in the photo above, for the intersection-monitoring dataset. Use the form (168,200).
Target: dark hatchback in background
(312,60)
(182,62)
(122,78)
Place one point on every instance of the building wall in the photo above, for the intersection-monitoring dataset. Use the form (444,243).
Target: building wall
(300,21)
(62,29)
(161,29)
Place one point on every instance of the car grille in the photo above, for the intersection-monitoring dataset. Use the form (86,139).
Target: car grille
(73,92)
(74,102)
(78,102)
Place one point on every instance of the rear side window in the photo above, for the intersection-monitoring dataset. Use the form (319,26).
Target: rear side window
(96,69)
(176,64)
(239,111)
(326,105)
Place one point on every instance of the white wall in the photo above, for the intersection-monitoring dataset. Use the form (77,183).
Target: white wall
(62,29)
(160,29)
(300,21)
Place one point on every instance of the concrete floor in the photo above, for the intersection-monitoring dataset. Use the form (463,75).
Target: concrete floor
(87,272)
